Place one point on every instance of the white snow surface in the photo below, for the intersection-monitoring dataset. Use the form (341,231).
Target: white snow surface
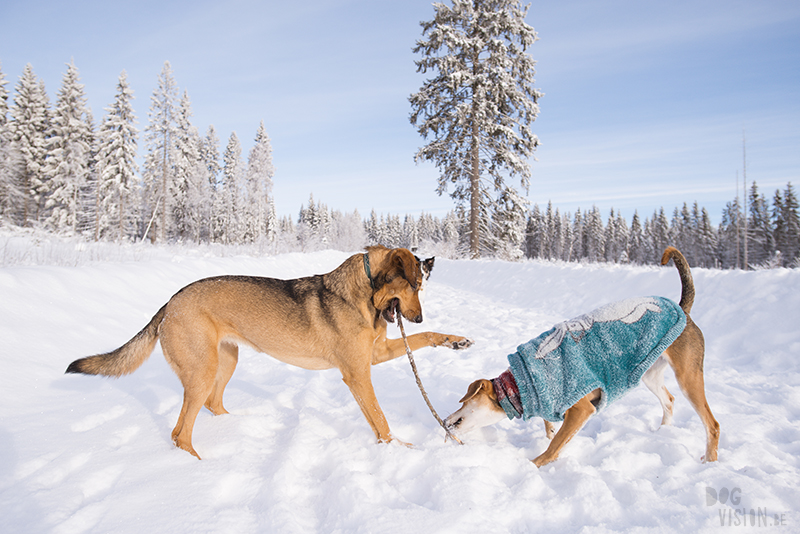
(83,454)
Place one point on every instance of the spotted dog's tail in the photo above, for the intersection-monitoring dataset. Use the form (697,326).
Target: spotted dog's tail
(687,285)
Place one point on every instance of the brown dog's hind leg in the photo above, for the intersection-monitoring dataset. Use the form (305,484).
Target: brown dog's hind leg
(692,384)
(574,419)
(228,358)
(194,359)
(686,355)
(192,402)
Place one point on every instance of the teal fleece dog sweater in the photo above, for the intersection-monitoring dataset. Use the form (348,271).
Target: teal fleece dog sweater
(609,349)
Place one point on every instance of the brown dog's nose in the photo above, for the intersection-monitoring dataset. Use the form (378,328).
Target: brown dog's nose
(417,319)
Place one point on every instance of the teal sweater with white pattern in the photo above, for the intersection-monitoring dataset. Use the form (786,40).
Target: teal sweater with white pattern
(607,349)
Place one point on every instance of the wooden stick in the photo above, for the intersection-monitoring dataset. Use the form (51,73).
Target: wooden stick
(419,382)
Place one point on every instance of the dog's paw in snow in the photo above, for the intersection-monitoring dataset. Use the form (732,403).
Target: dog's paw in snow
(458,344)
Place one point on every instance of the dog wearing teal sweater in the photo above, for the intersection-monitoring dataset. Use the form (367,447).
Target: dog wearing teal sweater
(580,366)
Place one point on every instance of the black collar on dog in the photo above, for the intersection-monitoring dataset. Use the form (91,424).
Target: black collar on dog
(366,269)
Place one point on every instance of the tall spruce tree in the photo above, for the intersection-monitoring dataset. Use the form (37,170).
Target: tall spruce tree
(189,186)
(118,168)
(258,185)
(67,166)
(636,251)
(593,235)
(11,164)
(479,105)
(30,115)
(209,154)
(510,223)
(789,244)
(729,247)
(232,170)
(160,160)
(706,241)
(759,228)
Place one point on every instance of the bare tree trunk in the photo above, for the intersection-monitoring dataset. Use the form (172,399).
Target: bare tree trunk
(475,178)
(475,195)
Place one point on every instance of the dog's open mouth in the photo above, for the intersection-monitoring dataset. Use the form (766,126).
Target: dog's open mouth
(391,309)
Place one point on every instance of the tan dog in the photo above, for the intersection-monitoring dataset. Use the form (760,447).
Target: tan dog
(481,406)
(319,322)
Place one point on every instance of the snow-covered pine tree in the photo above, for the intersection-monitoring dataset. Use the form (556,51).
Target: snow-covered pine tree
(706,241)
(697,235)
(87,216)
(533,248)
(410,233)
(547,233)
(566,228)
(371,228)
(778,225)
(272,224)
(209,154)
(684,234)
(791,222)
(233,172)
(30,123)
(160,159)
(347,231)
(660,237)
(189,188)
(480,103)
(450,243)
(67,165)
(636,253)
(610,245)
(557,243)
(616,249)
(117,163)
(286,240)
(729,248)
(314,226)
(11,164)
(258,184)
(759,229)
(427,228)
(393,234)
(577,237)
(593,235)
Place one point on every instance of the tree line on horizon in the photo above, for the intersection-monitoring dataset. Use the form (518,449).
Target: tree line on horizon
(60,173)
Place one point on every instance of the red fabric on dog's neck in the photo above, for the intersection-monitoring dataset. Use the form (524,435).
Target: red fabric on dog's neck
(505,388)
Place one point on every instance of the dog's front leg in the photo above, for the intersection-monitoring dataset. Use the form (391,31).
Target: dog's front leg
(359,380)
(574,419)
(390,349)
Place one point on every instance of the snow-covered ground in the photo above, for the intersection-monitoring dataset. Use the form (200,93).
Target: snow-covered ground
(89,454)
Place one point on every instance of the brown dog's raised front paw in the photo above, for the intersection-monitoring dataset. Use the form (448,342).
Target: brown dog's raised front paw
(458,343)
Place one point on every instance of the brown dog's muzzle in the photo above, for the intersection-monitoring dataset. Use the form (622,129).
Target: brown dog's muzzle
(417,319)
(395,307)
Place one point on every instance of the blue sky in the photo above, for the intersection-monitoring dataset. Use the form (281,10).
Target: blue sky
(645,102)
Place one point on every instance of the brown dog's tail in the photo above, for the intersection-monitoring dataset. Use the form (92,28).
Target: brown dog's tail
(687,285)
(125,359)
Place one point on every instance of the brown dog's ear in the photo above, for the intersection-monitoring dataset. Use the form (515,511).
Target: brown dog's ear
(476,387)
(408,266)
